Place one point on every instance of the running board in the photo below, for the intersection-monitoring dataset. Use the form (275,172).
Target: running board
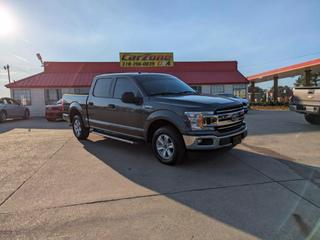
(115,138)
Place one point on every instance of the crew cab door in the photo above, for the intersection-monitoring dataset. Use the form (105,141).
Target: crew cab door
(99,104)
(127,119)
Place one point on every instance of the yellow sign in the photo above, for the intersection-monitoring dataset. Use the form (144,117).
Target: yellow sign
(146,59)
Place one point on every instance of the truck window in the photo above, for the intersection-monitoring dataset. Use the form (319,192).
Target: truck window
(125,85)
(102,87)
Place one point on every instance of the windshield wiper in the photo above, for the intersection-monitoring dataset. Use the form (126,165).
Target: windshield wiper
(163,93)
(187,92)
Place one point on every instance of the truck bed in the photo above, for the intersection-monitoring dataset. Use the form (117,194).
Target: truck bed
(307,96)
(81,100)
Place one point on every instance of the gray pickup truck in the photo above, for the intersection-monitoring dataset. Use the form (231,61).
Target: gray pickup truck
(156,108)
(306,100)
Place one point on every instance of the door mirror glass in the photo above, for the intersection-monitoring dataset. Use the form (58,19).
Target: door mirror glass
(129,97)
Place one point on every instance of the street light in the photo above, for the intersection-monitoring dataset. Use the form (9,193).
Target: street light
(7,68)
(40,59)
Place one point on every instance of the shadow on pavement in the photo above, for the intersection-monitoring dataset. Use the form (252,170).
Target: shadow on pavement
(32,123)
(242,189)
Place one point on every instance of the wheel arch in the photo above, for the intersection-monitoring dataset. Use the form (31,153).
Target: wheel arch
(156,124)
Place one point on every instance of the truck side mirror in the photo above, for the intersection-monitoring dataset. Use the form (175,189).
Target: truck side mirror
(129,97)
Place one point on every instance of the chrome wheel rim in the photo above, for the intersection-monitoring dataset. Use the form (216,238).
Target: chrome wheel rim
(77,127)
(2,116)
(165,146)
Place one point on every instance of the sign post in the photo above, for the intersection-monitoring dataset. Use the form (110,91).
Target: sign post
(140,59)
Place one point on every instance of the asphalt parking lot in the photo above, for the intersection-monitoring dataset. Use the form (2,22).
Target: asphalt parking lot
(53,186)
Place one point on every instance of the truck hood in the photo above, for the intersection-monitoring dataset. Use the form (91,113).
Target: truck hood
(242,100)
(195,101)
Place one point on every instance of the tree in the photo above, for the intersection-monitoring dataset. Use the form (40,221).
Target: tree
(315,78)
(259,93)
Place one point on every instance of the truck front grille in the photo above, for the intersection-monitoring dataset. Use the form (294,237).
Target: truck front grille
(224,120)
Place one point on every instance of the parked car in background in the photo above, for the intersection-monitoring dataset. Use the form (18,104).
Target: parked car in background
(243,101)
(54,112)
(10,108)
(306,100)
(156,108)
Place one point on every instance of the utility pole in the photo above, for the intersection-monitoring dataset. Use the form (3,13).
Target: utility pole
(8,70)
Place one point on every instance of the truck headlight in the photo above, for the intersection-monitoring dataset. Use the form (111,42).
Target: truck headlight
(196,119)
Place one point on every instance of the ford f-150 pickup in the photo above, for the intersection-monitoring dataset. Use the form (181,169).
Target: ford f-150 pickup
(155,108)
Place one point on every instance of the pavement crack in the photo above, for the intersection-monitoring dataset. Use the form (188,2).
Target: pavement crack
(151,195)
(34,173)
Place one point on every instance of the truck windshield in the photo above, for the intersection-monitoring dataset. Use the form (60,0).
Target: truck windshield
(163,85)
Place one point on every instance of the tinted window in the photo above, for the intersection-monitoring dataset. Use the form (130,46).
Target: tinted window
(125,85)
(9,101)
(163,84)
(103,87)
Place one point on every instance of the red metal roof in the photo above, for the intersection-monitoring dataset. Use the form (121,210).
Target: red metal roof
(288,71)
(81,74)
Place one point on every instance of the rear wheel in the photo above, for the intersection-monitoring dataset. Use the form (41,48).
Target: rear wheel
(168,146)
(312,118)
(26,114)
(79,130)
(3,116)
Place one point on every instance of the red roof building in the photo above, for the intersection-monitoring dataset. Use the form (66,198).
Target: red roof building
(76,77)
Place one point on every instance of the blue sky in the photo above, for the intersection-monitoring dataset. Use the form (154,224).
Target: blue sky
(260,35)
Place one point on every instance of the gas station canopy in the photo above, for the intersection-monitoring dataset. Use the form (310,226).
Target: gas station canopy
(289,71)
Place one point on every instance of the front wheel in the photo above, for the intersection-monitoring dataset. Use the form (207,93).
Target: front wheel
(168,146)
(312,118)
(3,116)
(79,130)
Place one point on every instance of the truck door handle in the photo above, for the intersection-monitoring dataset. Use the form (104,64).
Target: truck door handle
(112,106)
(91,103)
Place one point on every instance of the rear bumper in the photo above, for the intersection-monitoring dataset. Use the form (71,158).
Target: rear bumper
(305,109)
(65,117)
(54,115)
(209,142)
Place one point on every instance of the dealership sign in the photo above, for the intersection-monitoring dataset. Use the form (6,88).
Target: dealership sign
(146,59)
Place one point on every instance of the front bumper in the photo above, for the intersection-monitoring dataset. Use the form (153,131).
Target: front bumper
(208,142)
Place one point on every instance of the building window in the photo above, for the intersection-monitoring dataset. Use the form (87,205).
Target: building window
(22,96)
(217,89)
(197,88)
(51,96)
(240,90)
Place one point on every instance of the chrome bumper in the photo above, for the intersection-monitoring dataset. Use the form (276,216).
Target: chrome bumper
(304,109)
(65,117)
(208,142)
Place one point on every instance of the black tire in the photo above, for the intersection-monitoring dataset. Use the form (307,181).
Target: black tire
(312,118)
(26,114)
(79,130)
(51,119)
(3,116)
(174,156)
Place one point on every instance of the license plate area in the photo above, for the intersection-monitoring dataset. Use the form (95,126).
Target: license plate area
(311,109)
(236,140)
